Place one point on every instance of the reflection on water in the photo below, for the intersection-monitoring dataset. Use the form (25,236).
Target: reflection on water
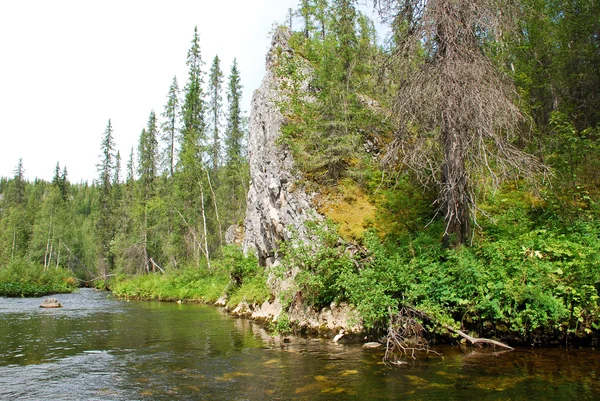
(99,348)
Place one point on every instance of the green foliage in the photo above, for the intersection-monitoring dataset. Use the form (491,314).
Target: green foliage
(327,123)
(530,282)
(319,263)
(234,275)
(282,325)
(24,279)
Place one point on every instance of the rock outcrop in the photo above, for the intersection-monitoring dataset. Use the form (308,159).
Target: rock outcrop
(276,205)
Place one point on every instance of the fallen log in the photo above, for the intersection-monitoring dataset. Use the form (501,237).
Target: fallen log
(475,340)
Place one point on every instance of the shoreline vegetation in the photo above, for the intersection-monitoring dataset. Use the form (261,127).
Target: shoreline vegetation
(454,175)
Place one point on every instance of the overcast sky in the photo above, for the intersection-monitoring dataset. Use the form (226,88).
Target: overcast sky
(67,66)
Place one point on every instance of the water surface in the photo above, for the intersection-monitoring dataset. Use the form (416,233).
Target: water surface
(99,348)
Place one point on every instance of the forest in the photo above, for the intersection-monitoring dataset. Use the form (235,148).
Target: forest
(469,137)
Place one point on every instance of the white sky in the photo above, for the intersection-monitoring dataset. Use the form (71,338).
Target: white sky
(67,66)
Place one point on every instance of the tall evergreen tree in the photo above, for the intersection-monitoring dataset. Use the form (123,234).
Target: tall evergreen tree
(194,126)
(148,156)
(59,181)
(306,11)
(169,126)
(104,223)
(191,178)
(234,132)
(321,15)
(215,84)
(17,192)
(64,184)
(344,28)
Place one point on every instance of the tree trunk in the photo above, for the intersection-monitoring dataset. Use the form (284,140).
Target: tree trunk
(455,198)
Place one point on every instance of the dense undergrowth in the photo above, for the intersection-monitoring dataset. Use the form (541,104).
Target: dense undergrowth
(24,279)
(237,277)
(527,276)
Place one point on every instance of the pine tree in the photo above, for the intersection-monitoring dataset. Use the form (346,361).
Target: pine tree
(215,83)
(169,126)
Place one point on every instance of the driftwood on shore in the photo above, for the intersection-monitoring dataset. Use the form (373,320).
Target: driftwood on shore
(406,336)
(475,340)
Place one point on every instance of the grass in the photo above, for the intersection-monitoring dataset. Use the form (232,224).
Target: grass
(235,276)
(21,278)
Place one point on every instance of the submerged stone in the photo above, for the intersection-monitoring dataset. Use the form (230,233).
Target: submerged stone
(51,303)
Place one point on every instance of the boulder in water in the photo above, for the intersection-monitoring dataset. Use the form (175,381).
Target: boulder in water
(51,303)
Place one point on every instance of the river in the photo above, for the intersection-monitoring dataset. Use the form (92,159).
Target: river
(100,348)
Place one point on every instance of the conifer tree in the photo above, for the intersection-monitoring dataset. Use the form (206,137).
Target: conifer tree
(169,126)
(236,172)
(306,11)
(104,224)
(215,83)
(190,179)
(59,181)
(130,167)
(194,130)
(290,18)
(64,184)
(148,156)
(344,27)
(17,193)
(459,98)
(234,132)
(321,15)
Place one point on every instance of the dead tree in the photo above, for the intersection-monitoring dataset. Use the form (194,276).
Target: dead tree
(456,110)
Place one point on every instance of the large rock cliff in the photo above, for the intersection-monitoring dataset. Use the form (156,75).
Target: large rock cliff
(276,206)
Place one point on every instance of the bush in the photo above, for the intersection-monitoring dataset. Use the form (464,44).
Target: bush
(21,278)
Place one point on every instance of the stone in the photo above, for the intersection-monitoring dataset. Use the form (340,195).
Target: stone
(234,235)
(51,303)
(276,205)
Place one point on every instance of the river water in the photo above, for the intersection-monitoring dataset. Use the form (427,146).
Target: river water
(100,348)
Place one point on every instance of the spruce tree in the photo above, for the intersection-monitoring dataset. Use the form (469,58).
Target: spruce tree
(306,11)
(148,157)
(64,184)
(215,83)
(344,28)
(190,177)
(104,223)
(236,170)
(169,126)
(234,132)
(321,15)
(194,130)
(17,193)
